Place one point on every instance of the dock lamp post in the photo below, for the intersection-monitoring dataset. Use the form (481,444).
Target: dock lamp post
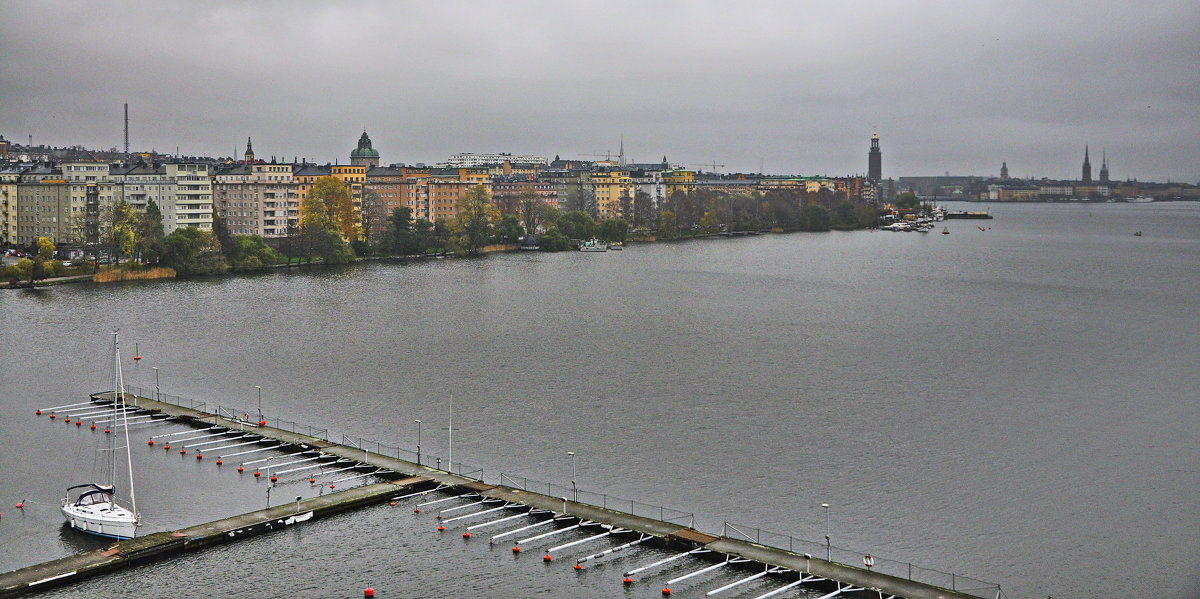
(418,421)
(259,402)
(157,395)
(574,488)
(828,549)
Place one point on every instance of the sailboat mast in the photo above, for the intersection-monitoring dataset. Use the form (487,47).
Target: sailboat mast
(111,464)
(125,430)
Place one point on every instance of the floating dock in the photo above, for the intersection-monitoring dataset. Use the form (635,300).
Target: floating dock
(833,578)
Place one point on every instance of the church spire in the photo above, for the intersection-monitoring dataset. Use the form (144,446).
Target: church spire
(1087,166)
(1104,166)
(249,151)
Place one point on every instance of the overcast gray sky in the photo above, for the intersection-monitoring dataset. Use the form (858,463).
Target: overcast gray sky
(954,86)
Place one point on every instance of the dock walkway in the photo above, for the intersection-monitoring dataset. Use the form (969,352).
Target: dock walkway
(409,475)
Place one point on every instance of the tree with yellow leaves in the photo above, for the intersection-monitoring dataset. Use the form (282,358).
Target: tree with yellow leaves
(330,206)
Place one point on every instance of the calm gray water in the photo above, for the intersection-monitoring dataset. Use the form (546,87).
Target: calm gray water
(1017,404)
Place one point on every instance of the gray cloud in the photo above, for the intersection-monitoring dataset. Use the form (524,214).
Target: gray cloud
(952,86)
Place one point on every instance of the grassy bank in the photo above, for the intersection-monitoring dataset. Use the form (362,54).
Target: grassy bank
(115,274)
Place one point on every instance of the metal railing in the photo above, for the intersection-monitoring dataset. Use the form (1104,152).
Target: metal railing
(901,569)
(242,416)
(851,557)
(604,500)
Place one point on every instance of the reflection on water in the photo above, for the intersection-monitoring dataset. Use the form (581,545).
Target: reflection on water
(1004,404)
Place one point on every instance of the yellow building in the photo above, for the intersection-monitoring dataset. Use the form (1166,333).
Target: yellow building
(445,187)
(679,180)
(8,206)
(611,187)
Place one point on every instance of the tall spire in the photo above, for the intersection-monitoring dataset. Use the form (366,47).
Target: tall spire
(875,158)
(622,149)
(1104,166)
(249,150)
(1087,166)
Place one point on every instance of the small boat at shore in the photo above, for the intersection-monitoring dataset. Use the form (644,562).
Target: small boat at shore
(593,245)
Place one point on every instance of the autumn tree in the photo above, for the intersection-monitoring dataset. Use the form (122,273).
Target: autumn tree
(120,231)
(149,232)
(471,227)
(330,206)
(532,208)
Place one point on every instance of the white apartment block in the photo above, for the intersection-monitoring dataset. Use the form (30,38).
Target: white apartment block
(471,159)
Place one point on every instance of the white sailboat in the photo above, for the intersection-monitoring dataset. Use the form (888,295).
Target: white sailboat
(95,510)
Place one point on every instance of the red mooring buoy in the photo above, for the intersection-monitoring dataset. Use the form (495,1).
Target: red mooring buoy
(628,581)
(93,427)
(166,447)
(666,591)
(241,469)
(274,478)
(368,592)
(199,456)
(39,412)
(578,567)
(21,504)
(78,423)
(546,557)
(516,549)
(67,420)
(52,416)
(107,431)
(441,529)
(257,474)
(150,442)
(466,535)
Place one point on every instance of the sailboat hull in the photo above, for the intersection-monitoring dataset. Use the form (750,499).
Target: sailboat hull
(105,519)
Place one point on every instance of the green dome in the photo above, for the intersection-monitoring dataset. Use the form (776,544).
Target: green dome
(364,149)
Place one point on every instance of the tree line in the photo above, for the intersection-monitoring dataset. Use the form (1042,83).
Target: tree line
(330,233)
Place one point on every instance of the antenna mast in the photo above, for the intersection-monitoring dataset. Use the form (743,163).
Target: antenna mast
(127,130)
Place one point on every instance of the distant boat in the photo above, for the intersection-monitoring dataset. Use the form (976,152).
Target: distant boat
(968,214)
(96,510)
(1140,200)
(593,245)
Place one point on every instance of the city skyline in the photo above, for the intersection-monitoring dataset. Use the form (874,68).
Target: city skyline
(780,89)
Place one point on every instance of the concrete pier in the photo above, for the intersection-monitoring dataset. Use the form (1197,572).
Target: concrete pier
(123,554)
(408,475)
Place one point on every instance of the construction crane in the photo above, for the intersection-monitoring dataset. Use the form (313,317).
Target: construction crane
(712,164)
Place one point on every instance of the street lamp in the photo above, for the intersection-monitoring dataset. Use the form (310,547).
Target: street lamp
(259,402)
(418,421)
(828,549)
(157,395)
(574,489)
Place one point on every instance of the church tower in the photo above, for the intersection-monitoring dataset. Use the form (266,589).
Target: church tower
(1004,170)
(249,152)
(364,154)
(1104,167)
(1087,167)
(874,159)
